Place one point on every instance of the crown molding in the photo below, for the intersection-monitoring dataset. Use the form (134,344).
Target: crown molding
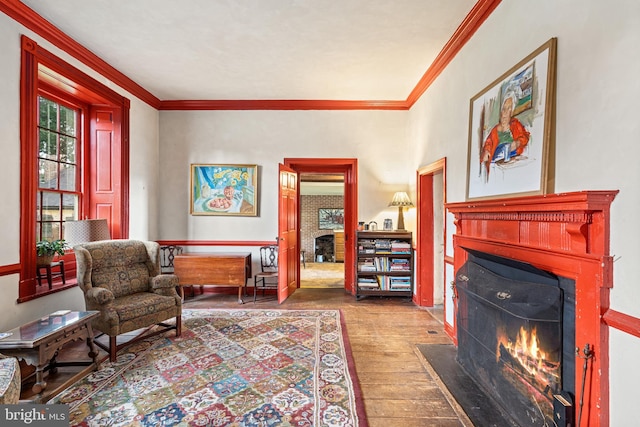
(476,17)
(36,23)
(281,104)
(31,20)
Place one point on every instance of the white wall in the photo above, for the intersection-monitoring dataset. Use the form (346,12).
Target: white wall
(376,138)
(597,128)
(144,176)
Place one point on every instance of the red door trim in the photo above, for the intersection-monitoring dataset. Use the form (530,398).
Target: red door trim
(349,167)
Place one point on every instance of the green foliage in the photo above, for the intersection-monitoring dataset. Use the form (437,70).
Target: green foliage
(45,247)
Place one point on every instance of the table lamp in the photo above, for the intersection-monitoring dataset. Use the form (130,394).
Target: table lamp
(401,199)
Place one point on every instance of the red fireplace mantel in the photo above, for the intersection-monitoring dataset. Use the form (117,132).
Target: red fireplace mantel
(567,235)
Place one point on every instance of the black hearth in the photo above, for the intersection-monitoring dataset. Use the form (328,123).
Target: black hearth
(515,331)
(324,248)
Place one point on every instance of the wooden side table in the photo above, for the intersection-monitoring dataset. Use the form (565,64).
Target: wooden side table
(50,274)
(213,269)
(38,343)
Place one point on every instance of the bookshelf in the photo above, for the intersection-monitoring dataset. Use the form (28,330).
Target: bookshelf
(384,263)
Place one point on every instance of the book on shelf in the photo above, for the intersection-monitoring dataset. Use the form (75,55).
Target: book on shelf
(366,246)
(400,247)
(368,283)
(400,264)
(383,281)
(366,264)
(383,246)
(400,283)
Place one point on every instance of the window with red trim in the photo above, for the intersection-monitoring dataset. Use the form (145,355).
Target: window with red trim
(61,176)
(58,198)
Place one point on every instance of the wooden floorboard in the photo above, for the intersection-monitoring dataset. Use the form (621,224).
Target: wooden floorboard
(397,389)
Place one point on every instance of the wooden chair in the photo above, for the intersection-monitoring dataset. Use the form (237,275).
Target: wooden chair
(167,255)
(268,276)
(49,274)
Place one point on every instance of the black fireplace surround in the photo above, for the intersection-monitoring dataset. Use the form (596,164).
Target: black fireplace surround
(515,331)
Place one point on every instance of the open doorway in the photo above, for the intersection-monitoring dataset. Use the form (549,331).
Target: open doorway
(322,230)
(348,170)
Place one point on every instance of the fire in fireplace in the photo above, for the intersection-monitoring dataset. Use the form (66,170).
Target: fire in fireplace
(512,330)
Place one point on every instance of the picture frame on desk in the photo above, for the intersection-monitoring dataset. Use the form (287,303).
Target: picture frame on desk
(224,189)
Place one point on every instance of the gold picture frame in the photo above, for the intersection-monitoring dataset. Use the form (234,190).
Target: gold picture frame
(224,189)
(511,130)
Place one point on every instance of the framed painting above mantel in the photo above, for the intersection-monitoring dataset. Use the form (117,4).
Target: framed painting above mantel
(511,130)
(331,219)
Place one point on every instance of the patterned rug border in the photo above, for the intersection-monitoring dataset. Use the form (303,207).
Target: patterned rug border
(140,350)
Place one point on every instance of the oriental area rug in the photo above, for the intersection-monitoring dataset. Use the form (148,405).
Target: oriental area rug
(229,368)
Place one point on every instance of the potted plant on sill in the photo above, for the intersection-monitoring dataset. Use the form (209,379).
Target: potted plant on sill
(46,250)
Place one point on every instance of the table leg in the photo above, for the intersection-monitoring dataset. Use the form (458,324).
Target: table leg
(53,364)
(240,295)
(40,384)
(93,354)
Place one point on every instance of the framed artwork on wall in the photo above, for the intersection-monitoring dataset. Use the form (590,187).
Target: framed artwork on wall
(331,219)
(511,130)
(224,189)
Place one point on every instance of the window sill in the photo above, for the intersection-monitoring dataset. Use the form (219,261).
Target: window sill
(43,290)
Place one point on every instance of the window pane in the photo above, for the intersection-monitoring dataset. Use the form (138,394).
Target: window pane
(67,177)
(67,149)
(67,121)
(48,145)
(70,207)
(48,172)
(51,206)
(48,114)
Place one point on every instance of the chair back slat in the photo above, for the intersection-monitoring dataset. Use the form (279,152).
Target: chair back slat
(269,258)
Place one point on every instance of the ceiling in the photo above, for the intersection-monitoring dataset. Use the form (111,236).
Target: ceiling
(263,49)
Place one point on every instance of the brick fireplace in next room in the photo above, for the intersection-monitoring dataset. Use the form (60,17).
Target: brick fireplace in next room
(532,283)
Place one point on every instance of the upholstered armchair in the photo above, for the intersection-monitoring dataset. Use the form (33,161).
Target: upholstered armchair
(9,380)
(121,279)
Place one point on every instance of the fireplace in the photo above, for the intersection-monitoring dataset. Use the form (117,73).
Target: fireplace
(515,327)
(324,248)
(563,236)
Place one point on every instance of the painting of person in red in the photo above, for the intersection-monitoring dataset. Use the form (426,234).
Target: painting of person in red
(507,139)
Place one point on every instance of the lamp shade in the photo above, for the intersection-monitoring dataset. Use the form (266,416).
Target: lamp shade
(86,230)
(401,199)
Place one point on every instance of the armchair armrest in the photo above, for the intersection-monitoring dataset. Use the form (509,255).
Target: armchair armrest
(165,284)
(99,296)
(164,281)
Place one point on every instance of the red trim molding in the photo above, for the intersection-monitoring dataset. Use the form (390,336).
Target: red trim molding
(282,104)
(480,12)
(216,242)
(622,322)
(5,270)
(36,23)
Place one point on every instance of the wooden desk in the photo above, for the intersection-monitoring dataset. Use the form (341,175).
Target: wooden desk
(213,269)
(38,343)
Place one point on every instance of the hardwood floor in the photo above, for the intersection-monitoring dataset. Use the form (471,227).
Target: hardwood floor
(397,387)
